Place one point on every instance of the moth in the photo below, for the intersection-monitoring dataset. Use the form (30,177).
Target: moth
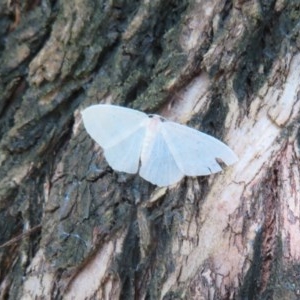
(161,151)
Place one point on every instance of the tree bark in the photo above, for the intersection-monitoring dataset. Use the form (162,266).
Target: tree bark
(71,227)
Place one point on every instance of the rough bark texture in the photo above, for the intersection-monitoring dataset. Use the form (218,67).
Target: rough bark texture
(72,228)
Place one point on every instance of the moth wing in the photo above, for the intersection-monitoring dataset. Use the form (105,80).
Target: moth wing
(158,164)
(195,152)
(110,124)
(125,155)
(119,131)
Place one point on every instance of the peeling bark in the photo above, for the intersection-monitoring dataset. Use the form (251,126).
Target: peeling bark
(72,228)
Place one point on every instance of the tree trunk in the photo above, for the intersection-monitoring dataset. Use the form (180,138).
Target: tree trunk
(71,227)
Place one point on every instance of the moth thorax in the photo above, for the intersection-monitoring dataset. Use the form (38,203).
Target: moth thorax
(152,128)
